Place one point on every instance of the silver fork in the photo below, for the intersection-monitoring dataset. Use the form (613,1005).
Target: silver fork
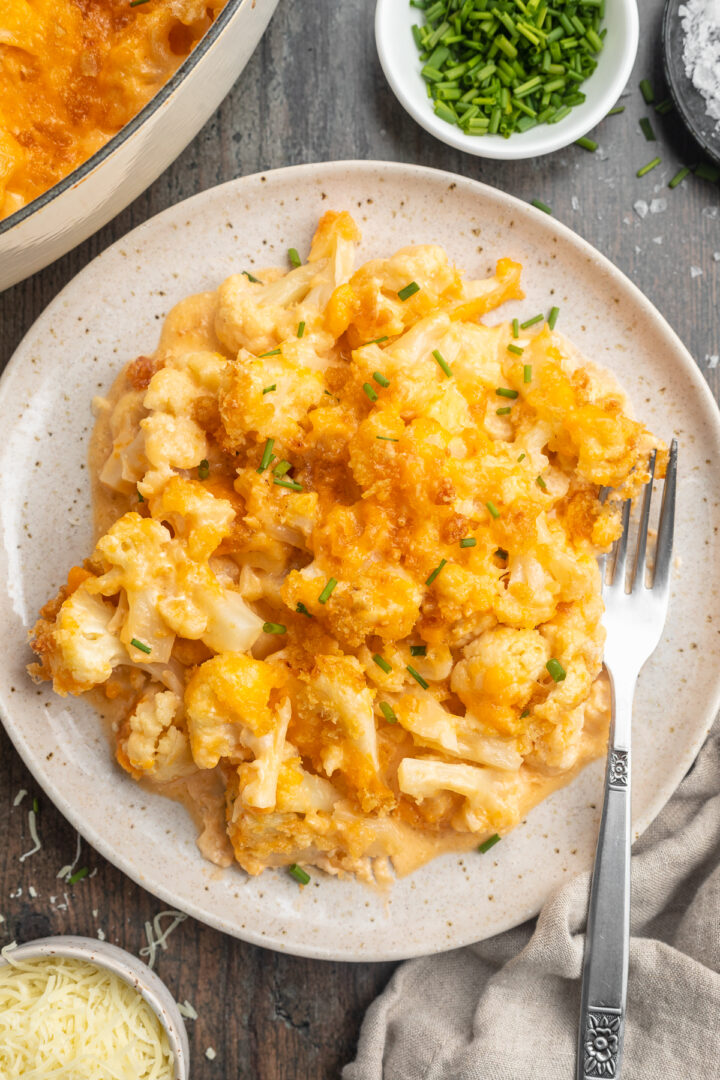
(634,619)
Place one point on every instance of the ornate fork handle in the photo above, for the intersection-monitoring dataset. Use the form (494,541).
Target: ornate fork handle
(605,970)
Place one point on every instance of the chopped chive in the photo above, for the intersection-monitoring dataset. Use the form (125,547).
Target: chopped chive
(541,206)
(83,871)
(503,391)
(292,485)
(251,277)
(140,497)
(521,457)
(492,509)
(436,571)
(664,107)
(204,469)
(267,455)
(531,322)
(418,650)
(371,393)
(501,553)
(282,467)
(382,663)
(553,317)
(386,438)
(616,110)
(300,875)
(706,171)
(140,645)
(527,373)
(408,291)
(679,177)
(273,352)
(587,144)
(417,677)
(647,91)
(487,844)
(274,628)
(294,258)
(468,541)
(387,712)
(375,341)
(556,669)
(302,610)
(515,328)
(524,714)
(301,329)
(269,389)
(515,349)
(541,483)
(36,806)
(647,130)
(137,3)
(504,411)
(327,591)
(381,379)
(442,362)
(647,168)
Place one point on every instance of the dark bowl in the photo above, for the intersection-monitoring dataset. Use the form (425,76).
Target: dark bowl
(688,100)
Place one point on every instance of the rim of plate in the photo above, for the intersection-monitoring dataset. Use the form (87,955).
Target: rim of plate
(406,83)
(554,228)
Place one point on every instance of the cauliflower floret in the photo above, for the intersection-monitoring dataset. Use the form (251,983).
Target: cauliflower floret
(228,701)
(167,591)
(245,407)
(151,743)
(80,649)
(492,797)
(335,700)
(434,726)
(499,673)
(258,316)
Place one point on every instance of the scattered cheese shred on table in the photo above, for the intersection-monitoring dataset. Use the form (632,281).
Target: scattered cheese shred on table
(64,1019)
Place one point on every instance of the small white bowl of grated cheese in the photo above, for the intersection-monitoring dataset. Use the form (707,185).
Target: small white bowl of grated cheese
(73,1006)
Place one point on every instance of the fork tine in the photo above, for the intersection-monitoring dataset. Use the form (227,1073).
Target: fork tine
(618,571)
(666,525)
(638,572)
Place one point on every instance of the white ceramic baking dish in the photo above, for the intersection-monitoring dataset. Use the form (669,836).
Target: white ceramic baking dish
(102,186)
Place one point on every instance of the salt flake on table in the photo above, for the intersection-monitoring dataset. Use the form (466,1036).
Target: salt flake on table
(575,202)
(716,256)
(658,205)
(657,239)
(641,208)
(695,271)
(712,360)
(711,212)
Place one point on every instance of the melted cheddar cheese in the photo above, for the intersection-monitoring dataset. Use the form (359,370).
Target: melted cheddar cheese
(73,72)
(348,560)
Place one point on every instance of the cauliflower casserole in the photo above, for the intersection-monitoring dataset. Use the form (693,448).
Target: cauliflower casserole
(345,598)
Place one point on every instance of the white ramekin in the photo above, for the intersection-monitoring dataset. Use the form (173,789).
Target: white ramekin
(131,970)
(401,63)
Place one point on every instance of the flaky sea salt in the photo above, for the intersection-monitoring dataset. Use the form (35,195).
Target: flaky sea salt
(641,208)
(701,51)
(695,271)
(658,205)
(712,360)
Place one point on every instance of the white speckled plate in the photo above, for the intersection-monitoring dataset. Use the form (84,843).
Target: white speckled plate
(109,314)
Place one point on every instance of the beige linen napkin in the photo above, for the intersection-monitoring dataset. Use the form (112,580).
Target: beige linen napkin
(507,1008)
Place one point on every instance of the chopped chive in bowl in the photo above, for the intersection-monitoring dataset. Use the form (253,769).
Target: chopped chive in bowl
(507,66)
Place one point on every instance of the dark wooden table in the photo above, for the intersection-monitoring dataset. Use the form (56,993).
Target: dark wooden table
(314,91)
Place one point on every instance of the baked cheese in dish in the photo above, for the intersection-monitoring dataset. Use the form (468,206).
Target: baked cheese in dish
(74,72)
(345,597)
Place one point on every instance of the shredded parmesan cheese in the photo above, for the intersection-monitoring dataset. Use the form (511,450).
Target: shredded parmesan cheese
(157,938)
(65,872)
(66,1019)
(210,1054)
(20,796)
(32,823)
(187,1010)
